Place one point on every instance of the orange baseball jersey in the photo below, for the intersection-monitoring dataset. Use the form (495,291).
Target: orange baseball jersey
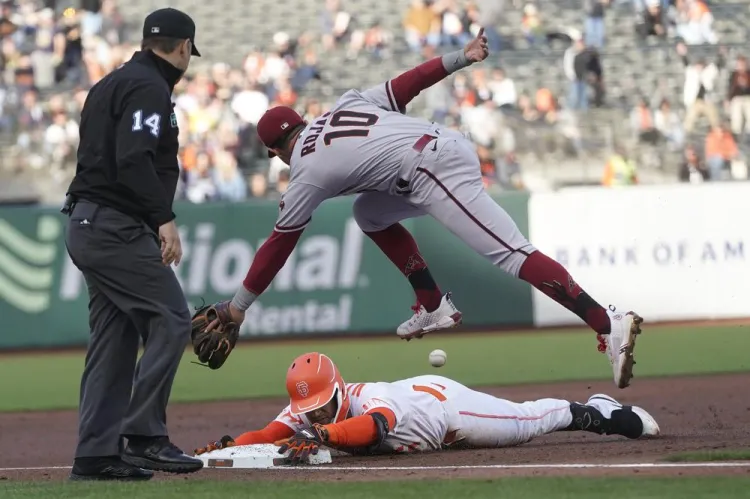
(422,416)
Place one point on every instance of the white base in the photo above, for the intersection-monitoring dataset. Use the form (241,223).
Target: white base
(255,456)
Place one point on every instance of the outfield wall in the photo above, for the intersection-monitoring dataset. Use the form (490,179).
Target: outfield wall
(671,252)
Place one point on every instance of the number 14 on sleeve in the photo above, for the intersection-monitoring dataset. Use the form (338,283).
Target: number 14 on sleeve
(152,122)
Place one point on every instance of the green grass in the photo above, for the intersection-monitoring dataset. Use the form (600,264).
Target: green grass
(51,381)
(516,488)
(709,455)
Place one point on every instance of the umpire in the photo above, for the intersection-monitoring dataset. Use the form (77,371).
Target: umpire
(122,235)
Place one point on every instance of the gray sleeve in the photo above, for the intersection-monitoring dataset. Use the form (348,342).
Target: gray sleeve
(381,95)
(297,206)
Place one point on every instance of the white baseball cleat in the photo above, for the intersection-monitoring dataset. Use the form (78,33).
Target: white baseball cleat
(619,344)
(620,423)
(423,322)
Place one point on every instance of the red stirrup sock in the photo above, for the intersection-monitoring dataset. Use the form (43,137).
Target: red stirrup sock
(551,278)
(401,248)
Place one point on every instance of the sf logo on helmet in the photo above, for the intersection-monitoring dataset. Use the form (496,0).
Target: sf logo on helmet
(303,389)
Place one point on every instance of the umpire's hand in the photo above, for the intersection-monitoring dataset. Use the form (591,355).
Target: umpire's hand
(171,248)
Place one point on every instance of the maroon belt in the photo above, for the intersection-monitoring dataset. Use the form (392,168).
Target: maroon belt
(425,139)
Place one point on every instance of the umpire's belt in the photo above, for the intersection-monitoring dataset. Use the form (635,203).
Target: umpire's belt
(81,208)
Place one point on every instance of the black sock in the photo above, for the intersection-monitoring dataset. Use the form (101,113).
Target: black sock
(427,291)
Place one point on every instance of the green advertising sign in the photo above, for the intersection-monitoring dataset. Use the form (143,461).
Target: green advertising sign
(336,281)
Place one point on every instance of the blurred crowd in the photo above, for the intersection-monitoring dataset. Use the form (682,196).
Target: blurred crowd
(49,59)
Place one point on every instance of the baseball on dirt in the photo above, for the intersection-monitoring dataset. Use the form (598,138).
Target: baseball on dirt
(438,358)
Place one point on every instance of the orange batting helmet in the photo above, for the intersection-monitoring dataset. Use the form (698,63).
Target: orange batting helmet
(312,381)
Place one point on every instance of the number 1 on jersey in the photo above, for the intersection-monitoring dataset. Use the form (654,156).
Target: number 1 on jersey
(356,122)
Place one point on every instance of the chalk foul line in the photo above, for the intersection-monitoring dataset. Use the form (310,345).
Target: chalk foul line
(324,467)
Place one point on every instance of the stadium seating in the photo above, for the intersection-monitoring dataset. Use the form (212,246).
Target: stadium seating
(229,29)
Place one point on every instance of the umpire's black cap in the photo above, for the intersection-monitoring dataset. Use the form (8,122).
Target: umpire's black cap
(170,23)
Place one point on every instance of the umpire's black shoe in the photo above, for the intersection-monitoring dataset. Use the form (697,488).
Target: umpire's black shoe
(107,468)
(159,454)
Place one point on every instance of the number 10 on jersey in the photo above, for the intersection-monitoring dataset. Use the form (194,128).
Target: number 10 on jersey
(353,124)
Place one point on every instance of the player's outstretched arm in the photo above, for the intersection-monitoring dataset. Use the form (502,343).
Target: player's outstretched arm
(274,431)
(408,85)
(295,211)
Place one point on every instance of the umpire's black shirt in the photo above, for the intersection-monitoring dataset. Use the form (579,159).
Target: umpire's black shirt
(127,157)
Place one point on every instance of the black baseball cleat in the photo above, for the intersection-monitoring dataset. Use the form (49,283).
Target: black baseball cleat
(628,421)
(159,454)
(107,468)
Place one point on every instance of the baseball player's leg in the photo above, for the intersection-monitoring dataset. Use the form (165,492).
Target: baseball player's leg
(160,312)
(451,191)
(107,378)
(378,215)
(604,415)
(487,421)
(128,269)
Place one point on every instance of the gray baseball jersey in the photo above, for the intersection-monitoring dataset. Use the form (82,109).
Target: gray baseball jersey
(360,145)
(365,145)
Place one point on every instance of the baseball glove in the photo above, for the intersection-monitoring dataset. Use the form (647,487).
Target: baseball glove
(214,346)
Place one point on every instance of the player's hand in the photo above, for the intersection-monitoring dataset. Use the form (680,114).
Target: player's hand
(237,316)
(226,441)
(303,444)
(477,49)
(171,247)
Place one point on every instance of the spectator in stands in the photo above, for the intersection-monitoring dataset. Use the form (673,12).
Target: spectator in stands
(249,103)
(721,150)
(528,111)
(306,71)
(31,116)
(531,25)
(693,168)
(739,96)
(651,21)
(503,90)
(620,170)
(259,185)
(643,124)
(199,184)
(438,101)
(481,85)
(422,27)
(582,67)
(545,102)
(61,139)
(377,40)
(509,173)
(335,23)
(487,166)
(669,125)
(698,92)
(230,185)
(282,184)
(454,23)
(695,22)
(488,14)
(285,94)
(483,123)
(594,26)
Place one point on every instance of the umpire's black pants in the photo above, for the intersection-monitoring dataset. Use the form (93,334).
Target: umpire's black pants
(132,294)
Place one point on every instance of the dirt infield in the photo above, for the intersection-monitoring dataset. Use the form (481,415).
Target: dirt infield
(695,413)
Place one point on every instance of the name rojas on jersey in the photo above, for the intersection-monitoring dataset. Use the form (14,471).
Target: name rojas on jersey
(318,278)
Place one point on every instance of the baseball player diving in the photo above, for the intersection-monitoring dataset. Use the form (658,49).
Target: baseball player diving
(424,413)
(403,167)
